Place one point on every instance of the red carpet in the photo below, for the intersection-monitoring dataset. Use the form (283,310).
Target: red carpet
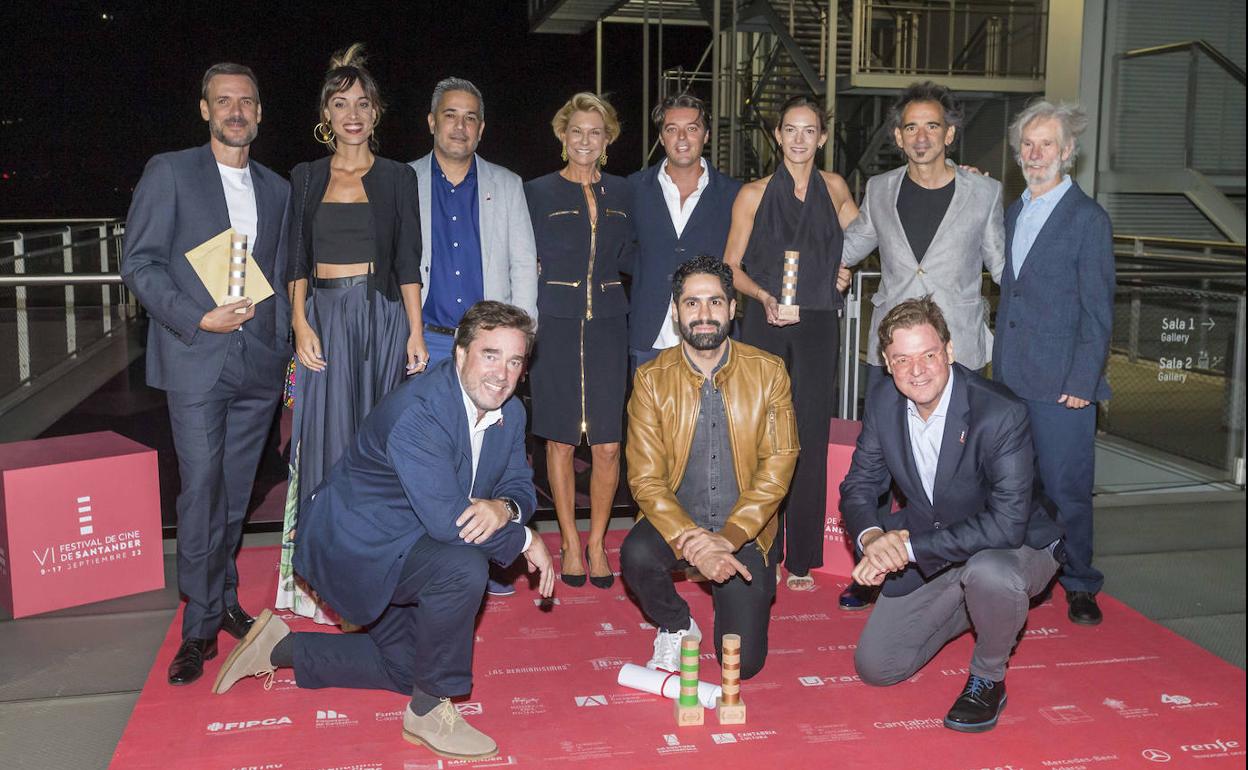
(1128,693)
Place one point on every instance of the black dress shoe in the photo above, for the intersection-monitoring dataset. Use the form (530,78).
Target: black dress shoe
(236,622)
(977,708)
(1083,609)
(188,664)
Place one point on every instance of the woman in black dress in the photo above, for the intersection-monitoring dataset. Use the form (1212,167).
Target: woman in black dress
(584,233)
(798,208)
(354,272)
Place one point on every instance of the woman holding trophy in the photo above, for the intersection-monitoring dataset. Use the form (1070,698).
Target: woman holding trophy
(784,248)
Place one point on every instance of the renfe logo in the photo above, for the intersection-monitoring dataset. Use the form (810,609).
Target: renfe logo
(1217,745)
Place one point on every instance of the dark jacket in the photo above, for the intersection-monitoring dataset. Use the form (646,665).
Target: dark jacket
(579,269)
(983,494)
(660,252)
(1055,319)
(178,204)
(392,195)
(407,475)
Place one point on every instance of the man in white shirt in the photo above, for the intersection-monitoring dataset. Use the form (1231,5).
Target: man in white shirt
(682,208)
(971,546)
(221,367)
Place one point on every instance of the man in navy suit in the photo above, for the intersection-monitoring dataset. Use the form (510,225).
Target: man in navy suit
(970,547)
(1053,327)
(221,367)
(398,538)
(682,208)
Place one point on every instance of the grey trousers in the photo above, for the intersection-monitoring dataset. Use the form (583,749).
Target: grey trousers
(990,592)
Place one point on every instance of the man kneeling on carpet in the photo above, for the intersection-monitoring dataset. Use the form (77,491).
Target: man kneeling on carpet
(399,536)
(971,546)
(712,443)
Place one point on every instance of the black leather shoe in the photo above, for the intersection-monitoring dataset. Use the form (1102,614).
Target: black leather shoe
(599,581)
(188,664)
(977,708)
(576,581)
(1083,609)
(855,598)
(236,622)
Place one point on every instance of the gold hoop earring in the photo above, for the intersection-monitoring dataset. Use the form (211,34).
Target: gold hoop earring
(563,154)
(323,134)
(602,159)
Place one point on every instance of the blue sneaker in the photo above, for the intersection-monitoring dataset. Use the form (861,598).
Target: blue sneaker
(855,598)
(498,588)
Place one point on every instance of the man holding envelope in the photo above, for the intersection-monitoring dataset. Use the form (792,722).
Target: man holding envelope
(221,363)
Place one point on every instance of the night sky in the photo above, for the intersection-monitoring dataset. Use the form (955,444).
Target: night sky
(92,89)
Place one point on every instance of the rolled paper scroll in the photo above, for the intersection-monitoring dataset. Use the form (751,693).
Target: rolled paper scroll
(664,683)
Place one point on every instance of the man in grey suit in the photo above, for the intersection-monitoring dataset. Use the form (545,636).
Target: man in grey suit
(937,226)
(475,227)
(221,367)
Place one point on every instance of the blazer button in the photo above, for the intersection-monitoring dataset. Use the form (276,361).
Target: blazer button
(937,525)
(921,271)
(1012,324)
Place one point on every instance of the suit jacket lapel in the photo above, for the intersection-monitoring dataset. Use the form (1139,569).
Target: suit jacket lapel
(1053,226)
(266,218)
(953,440)
(892,193)
(711,189)
(911,482)
(215,188)
(491,453)
(485,206)
(961,194)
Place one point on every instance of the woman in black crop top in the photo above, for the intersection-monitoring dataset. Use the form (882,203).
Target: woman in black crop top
(355,291)
(798,208)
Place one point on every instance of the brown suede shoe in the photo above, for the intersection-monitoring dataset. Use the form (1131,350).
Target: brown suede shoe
(444,732)
(251,656)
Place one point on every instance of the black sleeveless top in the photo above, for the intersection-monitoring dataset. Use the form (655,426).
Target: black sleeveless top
(342,233)
(784,223)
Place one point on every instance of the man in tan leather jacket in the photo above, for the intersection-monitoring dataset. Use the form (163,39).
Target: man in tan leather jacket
(712,443)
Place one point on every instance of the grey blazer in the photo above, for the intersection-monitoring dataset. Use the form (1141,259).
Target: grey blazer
(508,253)
(971,237)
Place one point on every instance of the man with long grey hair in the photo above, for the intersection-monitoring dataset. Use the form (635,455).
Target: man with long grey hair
(1053,327)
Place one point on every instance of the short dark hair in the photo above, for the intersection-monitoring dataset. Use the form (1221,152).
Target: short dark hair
(684,100)
(909,314)
(488,315)
(807,101)
(927,91)
(227,68)
(703,264)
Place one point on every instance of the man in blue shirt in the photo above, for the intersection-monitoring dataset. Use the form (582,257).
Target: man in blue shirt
(1053,327)
(478,240)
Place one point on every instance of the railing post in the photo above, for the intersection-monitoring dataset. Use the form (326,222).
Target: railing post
(71,320)
(1189,128)
(23,321)
(1133,328)
(106,295)
(1235,444)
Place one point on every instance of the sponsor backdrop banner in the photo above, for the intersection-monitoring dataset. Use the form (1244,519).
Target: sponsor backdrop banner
(838,553)
(79,521)
(1126,694)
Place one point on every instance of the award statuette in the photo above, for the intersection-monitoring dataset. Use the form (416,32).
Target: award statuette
(238,269)
(789,311)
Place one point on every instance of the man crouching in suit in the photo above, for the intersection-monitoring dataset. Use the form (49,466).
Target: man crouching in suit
(970,547)
(399,536)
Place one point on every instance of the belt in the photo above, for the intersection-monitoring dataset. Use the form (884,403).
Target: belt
(440,330)
(339,283)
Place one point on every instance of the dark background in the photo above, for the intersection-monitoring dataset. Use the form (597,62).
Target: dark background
(90,90)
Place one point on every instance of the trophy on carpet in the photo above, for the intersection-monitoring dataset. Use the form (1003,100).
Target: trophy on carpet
(688,707)
(730,709)
(789,310)
(228,271)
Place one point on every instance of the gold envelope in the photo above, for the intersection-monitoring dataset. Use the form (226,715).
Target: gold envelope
(211,260)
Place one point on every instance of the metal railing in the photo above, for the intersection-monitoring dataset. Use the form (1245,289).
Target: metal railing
(60,296)
(1176,361)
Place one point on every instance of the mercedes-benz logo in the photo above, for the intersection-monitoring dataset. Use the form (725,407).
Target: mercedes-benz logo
(1155,755)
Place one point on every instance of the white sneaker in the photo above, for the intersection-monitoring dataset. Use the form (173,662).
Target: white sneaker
(667,647)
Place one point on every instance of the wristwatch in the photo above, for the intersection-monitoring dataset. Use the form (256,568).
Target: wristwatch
(514,508)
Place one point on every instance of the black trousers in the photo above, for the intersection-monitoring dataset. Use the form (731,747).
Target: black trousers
(423,639)
(810,350)
(218,437)
(646,563)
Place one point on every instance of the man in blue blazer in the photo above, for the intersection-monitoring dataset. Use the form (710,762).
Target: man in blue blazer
(970,546)
(221,367)
(397,539)
(1053,328)
(681,208)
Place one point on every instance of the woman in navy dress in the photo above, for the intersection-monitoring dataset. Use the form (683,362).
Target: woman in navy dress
(579,371)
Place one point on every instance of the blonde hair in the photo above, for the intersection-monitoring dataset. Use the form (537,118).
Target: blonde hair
(586,102)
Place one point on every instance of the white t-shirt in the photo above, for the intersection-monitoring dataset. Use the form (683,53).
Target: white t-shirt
(240,199)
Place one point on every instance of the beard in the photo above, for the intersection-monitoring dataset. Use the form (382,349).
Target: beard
(217,129)
(704,340)
(1043,176)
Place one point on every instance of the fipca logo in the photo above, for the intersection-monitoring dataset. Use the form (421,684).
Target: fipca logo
(331,718)
(267,723)
(589,701)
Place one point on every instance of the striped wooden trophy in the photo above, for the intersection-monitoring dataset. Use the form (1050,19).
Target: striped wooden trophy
(688,707)
(238,269)
(788,310)
(731,709)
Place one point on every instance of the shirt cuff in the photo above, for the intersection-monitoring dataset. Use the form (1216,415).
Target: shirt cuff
(865,531)
(528,540)
(910,551)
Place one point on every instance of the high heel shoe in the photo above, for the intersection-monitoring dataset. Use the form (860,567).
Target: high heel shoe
(599,581)
(576,581)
